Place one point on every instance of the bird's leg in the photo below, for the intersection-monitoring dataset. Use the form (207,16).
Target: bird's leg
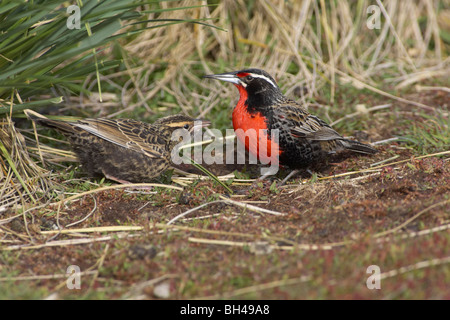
(264,176)
(254,185)
(261,179)
(290,175)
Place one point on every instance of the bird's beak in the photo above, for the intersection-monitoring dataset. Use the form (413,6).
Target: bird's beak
(228,77)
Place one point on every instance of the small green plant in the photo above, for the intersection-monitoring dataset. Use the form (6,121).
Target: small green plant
(431,135)
(274,188)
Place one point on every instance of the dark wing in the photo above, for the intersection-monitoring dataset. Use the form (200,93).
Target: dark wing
(127,133)
(302,124)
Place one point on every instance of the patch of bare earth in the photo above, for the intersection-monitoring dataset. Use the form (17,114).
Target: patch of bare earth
(394,215)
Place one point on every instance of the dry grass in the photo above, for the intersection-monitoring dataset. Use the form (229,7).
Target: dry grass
(284,38)
(309,44)
(23,181)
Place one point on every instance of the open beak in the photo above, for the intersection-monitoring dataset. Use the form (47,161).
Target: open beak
(228,77)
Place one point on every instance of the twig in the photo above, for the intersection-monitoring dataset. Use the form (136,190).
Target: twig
(385,141)
(259,287)
(95,229)
(416,266)
(250,207)
(299,246)
(381,234)
(42,277)
(192,210)
(415,234)
(224,233)
(87,216)
(61,243)
(384,161)
(374,169)
(420,88)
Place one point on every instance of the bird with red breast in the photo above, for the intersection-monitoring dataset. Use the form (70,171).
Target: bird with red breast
(303,138)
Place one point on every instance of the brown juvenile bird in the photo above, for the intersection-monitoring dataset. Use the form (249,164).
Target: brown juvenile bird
(123,150)
(304,139)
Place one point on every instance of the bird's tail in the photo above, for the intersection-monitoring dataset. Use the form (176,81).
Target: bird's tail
(357,146)
(62,126)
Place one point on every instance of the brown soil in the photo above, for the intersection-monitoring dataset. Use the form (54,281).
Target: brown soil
(232,252)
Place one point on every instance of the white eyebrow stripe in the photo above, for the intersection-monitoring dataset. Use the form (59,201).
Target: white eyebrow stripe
(254,75)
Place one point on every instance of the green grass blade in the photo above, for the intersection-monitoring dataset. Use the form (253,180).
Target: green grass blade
(30,105)
(209,174)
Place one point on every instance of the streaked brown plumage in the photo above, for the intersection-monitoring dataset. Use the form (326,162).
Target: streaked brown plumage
(123,150)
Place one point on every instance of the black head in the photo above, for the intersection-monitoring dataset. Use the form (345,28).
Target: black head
(261,89)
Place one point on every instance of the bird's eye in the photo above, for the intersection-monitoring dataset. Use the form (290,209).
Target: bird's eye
(249,78)
(186,126)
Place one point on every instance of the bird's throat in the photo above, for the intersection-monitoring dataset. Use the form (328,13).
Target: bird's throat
(243,118)
(251,129)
